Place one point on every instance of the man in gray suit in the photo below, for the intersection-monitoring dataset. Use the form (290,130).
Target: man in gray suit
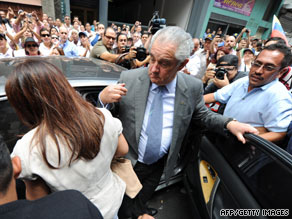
(155,140)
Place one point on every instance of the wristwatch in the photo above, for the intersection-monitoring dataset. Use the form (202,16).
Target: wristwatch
(227,121)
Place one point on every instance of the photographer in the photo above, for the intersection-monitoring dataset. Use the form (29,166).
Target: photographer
(129,57)
(225,73)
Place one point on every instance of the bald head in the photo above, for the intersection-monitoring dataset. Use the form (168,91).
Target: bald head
(230,42)
(196,45)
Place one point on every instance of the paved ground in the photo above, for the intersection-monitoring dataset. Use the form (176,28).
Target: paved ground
(172,203)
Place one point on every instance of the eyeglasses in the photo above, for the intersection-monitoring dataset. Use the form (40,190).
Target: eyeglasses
(230,69)
(110,38)
(45,35)
(267,67)
(64,33)
(31,45)
(227,69)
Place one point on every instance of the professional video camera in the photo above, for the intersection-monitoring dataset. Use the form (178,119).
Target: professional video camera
(141,52)
(156,23)
(220,72)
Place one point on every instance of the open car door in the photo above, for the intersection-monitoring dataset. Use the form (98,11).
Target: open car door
(228,179)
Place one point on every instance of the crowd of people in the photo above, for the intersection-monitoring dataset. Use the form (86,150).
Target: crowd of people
(71,143)
(25,34)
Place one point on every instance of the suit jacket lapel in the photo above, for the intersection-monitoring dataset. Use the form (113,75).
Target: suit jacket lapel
(180,110)
(141,95)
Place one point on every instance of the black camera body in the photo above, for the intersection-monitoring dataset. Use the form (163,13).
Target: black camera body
(220,72)
(156,23)
(141,52)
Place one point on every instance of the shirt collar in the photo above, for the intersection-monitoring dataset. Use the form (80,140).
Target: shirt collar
(266,86)
(170,86)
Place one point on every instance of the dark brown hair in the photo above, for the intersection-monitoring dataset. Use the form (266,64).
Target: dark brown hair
(43,98)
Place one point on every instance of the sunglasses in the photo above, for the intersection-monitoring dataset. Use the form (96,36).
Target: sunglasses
(31,45)
(45,35)
(55,38)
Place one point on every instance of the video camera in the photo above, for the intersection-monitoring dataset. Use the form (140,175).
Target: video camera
(220,72)
(156,23)
(141,52)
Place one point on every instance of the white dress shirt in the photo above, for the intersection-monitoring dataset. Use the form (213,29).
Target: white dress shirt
(167,122)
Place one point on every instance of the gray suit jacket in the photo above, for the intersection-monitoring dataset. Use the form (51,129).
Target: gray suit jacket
(189,106)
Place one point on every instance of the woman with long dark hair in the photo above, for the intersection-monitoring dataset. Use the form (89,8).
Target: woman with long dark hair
(71,143)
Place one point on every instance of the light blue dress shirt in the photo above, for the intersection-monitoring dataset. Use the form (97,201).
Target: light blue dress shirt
(269,106)
(167,122)
(70,49)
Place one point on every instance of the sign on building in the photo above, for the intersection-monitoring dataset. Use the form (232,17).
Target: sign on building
(239,6)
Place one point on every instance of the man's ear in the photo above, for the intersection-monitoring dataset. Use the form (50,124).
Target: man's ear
(16,164)
(183,64)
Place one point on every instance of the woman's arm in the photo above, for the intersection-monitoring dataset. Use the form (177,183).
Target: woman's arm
(123,147)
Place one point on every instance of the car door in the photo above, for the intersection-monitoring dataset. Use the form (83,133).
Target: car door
(227,179)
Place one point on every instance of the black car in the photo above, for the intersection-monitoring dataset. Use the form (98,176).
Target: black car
(228,179)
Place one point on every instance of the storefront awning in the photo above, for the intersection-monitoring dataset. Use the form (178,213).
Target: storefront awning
(26,2)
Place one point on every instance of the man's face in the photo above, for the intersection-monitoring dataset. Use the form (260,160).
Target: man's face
(63,34)
(2,14)
(46,37)
(67,20)
(50,21)
(266,68)
(100,29)
(58,22)
(83,39)
(231,70)
(230,42)
(2,42)
(88,27)
(136,37)
(109,38)
(122,41)
(45,17)
(163,65)
(32,48)
(196,45)
(75,35)
(207,44)
(144,38)
(248,55)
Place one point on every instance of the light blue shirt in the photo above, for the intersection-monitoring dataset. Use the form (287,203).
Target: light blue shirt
(70,49)
(269,106)
(167,121)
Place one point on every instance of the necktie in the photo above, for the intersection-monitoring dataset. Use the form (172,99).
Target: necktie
(154,128)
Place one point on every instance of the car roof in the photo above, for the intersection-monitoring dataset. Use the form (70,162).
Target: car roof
(79,71)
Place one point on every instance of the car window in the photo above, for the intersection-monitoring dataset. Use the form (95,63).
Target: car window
(267,176)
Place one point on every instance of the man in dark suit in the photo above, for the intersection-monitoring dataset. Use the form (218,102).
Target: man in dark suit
(156,106)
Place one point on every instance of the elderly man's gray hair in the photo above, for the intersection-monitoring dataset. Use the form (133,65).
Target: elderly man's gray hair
(177,36)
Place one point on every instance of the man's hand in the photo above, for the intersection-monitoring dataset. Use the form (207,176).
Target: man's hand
(132,53)
(113,93)
(221,83)
(238,129)
(145,216)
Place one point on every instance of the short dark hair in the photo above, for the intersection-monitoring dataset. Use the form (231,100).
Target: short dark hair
(277,39)
(282,48)
(229,59)
(6,170)
(121,34)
